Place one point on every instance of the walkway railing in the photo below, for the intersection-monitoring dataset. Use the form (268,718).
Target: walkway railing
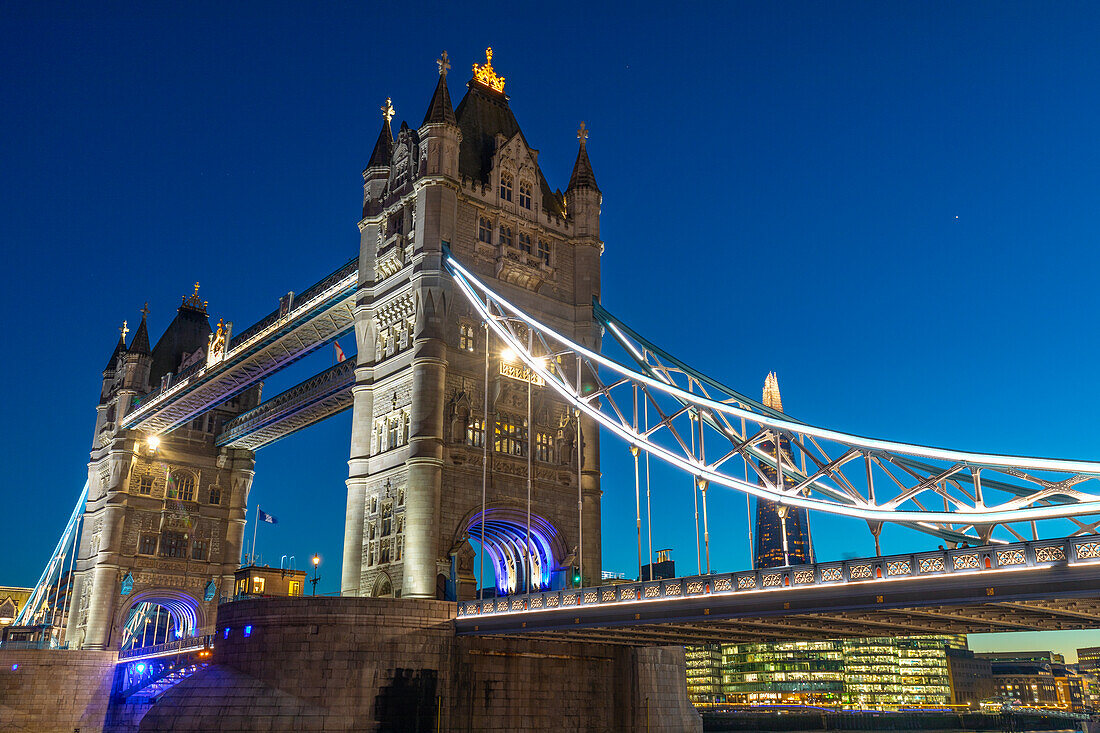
(169,647)
(989,558)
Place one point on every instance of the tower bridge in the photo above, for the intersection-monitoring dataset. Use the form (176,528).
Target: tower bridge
(480,390)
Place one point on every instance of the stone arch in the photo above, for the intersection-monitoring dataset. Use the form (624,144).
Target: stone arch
(185,610)
(505,537)
(383,587)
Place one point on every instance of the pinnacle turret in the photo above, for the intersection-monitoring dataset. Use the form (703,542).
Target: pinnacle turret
(771,392)
(440,109)
(383,148)
(120,348)
(140,344)
(582,177)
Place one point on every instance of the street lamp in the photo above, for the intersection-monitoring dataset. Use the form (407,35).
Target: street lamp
(316,577)
(152,442)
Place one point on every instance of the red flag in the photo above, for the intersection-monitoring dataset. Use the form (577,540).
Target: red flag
(339,352)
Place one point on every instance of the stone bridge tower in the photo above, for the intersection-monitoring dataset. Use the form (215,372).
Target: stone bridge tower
(165,514)
(466,179)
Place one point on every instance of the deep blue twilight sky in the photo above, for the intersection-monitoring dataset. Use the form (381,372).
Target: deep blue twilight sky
(896,206)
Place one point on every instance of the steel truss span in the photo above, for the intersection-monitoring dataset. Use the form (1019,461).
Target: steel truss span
(726,439)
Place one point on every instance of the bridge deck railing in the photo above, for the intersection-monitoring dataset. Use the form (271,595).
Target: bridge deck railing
(988,558)
(176,645)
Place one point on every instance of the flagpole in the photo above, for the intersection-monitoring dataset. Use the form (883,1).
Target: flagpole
(255,526)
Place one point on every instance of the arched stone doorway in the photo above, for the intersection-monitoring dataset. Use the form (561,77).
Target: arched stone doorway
(383,587)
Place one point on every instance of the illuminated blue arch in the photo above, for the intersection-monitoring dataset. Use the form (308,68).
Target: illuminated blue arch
(506,548)
(184,609)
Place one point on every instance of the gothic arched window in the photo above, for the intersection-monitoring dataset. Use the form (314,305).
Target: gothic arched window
(525,194)
(181,485)
(505,187)
(505,236)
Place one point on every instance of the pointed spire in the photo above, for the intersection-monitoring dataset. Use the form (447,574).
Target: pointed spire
(140,344)
(120,348)
(583,177)
(383,149)
(440,108)
(771,392)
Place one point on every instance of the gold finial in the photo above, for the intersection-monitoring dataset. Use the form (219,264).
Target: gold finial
(485,75)
(582,133)
(387,111)
(124,330)
(145,311)
(193,301)
(444,64)
(771,392)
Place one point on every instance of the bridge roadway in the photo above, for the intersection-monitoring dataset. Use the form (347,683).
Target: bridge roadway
(1025,586)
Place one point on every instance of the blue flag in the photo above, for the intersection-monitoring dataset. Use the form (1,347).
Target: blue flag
(265,517)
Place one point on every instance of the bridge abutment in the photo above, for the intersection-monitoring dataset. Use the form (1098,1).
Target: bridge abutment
(396,664)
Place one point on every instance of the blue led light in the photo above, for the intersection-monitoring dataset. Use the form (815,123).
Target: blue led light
(14,667)
(226,636)
(141,668)
(248,631)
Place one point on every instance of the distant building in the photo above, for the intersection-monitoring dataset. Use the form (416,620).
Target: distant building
(1070,688)
(253,580)
(12,599)
(782,533)
(704,679)
(971,678)
(876,673)
(665,567)
(1025,683)
(794,672)
(1023,656)
(1088,659)
(907,671)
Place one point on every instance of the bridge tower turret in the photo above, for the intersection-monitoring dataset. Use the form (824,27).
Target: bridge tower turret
(465,180)
(164,518)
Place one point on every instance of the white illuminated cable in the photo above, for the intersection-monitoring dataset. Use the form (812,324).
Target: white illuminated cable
(987,459)
(867,511)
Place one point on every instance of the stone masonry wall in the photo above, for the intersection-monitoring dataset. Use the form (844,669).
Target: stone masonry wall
(49,691)
(376,664)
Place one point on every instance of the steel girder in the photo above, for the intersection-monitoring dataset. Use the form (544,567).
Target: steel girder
(708,430)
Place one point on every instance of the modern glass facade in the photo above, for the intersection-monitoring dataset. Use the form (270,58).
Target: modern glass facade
(875,673)
(800,671)
(704,680)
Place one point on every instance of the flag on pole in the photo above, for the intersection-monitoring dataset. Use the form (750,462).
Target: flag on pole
(339,352)
(265,517)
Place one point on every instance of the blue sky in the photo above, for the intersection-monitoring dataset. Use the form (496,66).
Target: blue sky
(894,206)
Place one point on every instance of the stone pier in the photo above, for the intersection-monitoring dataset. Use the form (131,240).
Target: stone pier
(371,664)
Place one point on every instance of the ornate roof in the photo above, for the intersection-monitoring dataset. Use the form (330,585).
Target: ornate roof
(483,114)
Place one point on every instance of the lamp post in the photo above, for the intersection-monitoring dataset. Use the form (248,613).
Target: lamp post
(316,577)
